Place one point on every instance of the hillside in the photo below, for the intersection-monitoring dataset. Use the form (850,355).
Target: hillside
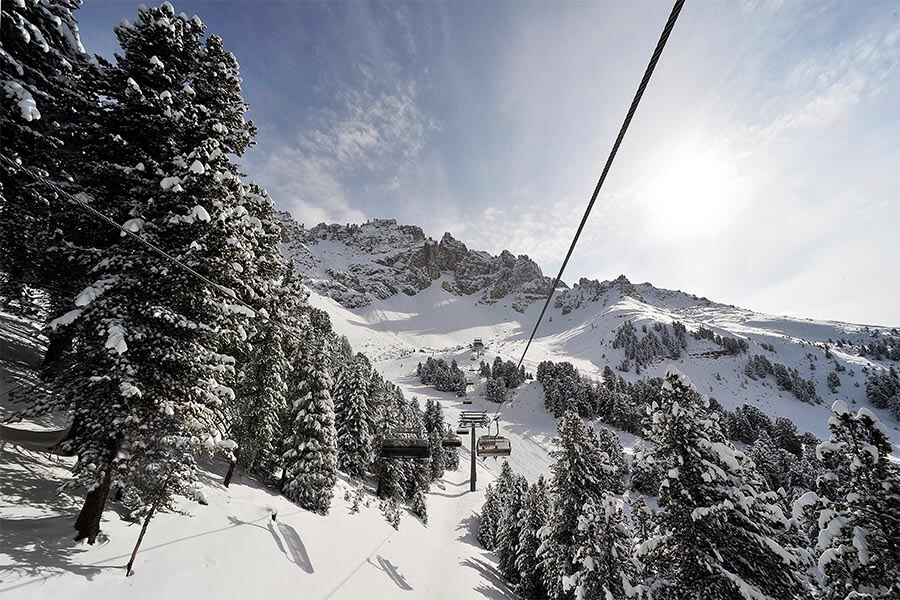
(398,312)
(358,274)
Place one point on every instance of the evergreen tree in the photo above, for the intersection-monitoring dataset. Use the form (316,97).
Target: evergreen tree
(261,403)
(602,564)
(509,528)
(145,380)
(311,456)
(580,479)
(532,518)
(494,502)
(719,535)
(50,100)
(858,542)
(353,418)
(490,516)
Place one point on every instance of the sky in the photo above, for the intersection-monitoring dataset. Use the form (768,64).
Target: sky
(762,168)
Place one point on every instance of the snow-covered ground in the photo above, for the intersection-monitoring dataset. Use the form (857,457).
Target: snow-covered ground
(231,548)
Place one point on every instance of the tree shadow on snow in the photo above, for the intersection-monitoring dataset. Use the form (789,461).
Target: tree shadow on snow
(499,590)
(469,527)
(391,571)
(42,548)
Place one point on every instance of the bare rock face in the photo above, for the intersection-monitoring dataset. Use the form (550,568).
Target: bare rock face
(358,263)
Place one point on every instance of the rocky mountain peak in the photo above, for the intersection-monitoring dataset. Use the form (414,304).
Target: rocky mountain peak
(358,263)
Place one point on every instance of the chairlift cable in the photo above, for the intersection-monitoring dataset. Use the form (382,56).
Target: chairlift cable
(226,292)
(661,44)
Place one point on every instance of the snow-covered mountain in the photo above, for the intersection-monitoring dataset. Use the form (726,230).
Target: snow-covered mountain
(356,264)
(395,291)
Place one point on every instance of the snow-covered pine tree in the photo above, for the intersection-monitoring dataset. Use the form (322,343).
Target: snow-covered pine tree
(145,381)
(49,102)
(353,419)
(858,542)
(494,502)
(417,471)
(611,446)
(389,472)
(719,535)
(602,562)
(490,515)
(508,528)
(261,403)
(532,518)
(310,461)
(581,478)
(433,419)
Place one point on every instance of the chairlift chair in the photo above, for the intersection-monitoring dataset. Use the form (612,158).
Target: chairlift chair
(493,445)
(451,440)
(462,431)
(405,443)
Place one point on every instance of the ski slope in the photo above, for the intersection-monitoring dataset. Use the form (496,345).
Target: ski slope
(231,547)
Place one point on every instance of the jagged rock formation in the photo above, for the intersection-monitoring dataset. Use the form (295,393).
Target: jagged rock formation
(356,264)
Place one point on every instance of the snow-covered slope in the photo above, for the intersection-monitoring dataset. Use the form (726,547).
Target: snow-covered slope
(399,313)
(385,317)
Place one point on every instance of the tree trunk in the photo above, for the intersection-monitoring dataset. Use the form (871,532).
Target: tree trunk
(87,525)
(230,473)
(60,341)
(139,540)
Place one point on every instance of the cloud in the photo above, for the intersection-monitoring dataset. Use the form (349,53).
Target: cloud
(354,151)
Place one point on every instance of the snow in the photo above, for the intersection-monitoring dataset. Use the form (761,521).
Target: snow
(859,542)
(168,183)
(25,101)
(116,339)
(197,167)
(807,499)
(154,60)
(131,83)
(839,407)
(66,319)
(135,225)
(235,548)
(199,213)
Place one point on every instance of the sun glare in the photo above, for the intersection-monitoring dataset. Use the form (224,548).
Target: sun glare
(690,195)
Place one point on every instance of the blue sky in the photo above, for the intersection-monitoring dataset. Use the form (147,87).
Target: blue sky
(762,168)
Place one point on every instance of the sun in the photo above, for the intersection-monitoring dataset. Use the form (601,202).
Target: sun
(689,194)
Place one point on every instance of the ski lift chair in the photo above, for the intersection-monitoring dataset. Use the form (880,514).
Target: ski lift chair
(494,446)
(405,443)
(462,431)
(451,440)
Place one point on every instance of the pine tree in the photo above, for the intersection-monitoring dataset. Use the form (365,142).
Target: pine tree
(858,542)
(603,567)
(718,535)
(310,461)
(261,400)
(532,518)
(50,99)
(490,515)
(492,509)
(509,529)
(580,479)
(145,380)
(353,418)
